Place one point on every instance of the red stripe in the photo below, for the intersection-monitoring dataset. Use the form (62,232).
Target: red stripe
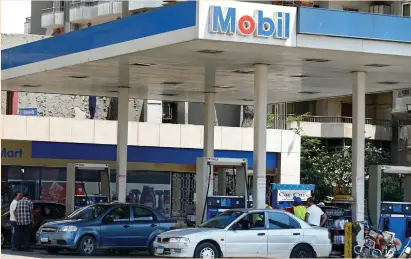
(15,103)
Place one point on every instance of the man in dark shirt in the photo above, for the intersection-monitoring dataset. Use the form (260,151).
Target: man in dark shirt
(24,222)
(37,222)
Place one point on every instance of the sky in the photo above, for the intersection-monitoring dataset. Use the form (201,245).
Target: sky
(13,15)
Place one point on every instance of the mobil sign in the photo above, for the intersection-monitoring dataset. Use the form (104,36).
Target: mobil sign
(274,23)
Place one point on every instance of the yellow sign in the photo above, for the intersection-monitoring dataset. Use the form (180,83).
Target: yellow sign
(343,198)
(348,240)
(14,151)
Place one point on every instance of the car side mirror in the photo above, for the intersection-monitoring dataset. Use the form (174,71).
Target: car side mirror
(108,220)
(236,226)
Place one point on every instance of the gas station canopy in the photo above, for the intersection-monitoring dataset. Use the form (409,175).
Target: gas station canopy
(161,54)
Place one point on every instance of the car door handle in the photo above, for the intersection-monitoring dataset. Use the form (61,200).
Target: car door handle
(126,226)
(261,234)
(296,234)
(153,225)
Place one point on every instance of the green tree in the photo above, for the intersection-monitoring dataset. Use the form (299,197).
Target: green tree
(328,169)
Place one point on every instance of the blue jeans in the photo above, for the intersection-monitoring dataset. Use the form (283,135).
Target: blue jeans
(13,225)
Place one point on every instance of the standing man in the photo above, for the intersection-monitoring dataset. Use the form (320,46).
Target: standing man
(299,209)
(13,220)
(24,222)
(315,216)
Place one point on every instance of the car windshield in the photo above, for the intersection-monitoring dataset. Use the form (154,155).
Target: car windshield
(223,220)
(89,212)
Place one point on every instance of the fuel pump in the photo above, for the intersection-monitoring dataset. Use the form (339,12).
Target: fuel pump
(81,193)
(209,205)
(388,215)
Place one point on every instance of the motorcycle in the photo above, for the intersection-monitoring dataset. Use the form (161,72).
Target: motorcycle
(369,248)
(406,252)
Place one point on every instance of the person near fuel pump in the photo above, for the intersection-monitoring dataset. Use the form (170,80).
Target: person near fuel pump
(299,209)
(315,216)
(13,220)
(267,203)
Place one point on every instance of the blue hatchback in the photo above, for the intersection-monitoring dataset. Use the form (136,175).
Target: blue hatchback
(115,227)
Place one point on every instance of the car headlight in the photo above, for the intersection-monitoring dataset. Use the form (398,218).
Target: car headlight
(68,229)
(179,240)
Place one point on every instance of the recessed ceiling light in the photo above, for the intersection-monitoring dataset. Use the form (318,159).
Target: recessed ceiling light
(124,87)
(377,65)
(172,83)
(28,85)
(209,92)
(113,91)
(244,71)
(300,76)
(141,64)
(78,76)
(223,86)
(247,100)
(308,92)
(317,60)
(388,83)
(210,51)
(169,94)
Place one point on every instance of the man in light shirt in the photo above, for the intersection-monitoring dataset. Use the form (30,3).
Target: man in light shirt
(314,216)
(13,220)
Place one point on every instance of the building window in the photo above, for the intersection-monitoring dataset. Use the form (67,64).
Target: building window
(406,9)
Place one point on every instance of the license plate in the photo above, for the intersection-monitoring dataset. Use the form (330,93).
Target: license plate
(369,243)
(160,250)
(44,239)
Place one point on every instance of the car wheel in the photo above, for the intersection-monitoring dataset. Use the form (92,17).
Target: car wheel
(52,250)
(150,249)
(124,251)
(302,251)
(206,251)
(87,245)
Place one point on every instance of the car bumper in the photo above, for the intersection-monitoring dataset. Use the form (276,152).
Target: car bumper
(323,250)
(174,250)
(65,240)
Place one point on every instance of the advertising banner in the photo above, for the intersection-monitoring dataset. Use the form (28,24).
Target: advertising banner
(53,191)
(287,195)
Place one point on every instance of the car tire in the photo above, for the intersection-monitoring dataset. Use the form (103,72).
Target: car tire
(3,239)
(124,251)
(302,251)
(206,251)
(151,251)
(52,250)
(87,245)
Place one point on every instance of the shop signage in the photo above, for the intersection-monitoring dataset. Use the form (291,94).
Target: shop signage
(288,195)
(227,21)
(28,111)
(11,153)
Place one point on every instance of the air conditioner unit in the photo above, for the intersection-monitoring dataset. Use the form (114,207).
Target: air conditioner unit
(380,9)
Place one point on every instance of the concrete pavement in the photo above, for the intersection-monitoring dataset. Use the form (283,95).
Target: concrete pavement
(40,254)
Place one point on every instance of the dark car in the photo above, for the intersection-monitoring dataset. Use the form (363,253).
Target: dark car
(49,211)
(120,227)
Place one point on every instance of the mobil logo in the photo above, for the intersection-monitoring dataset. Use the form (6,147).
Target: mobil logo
(228,21)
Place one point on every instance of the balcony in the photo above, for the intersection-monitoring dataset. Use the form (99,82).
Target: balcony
(109,9)
(341,127)
(27,26)
(83,12)
(401,98)
(52,18)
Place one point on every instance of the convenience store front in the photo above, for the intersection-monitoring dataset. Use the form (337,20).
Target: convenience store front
(40,169)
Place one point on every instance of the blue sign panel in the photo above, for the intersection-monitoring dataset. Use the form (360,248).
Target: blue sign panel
(28,111)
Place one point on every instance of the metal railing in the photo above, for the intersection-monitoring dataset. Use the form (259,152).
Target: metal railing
(339,119)
(52,17)
(27,26)
(109,7)
(404,92)
(83,10)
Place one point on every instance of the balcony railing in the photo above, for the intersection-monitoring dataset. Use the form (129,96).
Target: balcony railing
(83,12)
(109,8)
(27,26)
(404,93)
(52,17)
(336,119)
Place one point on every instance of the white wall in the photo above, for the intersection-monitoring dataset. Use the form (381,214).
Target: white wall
(54,129)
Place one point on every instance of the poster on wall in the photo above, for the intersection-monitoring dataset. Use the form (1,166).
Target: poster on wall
(53,191)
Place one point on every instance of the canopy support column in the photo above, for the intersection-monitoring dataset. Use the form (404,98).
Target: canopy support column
(358,146)
(260,135)
(122,138)
(209,104)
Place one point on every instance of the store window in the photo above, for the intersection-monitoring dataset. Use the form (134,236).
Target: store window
(406,9)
